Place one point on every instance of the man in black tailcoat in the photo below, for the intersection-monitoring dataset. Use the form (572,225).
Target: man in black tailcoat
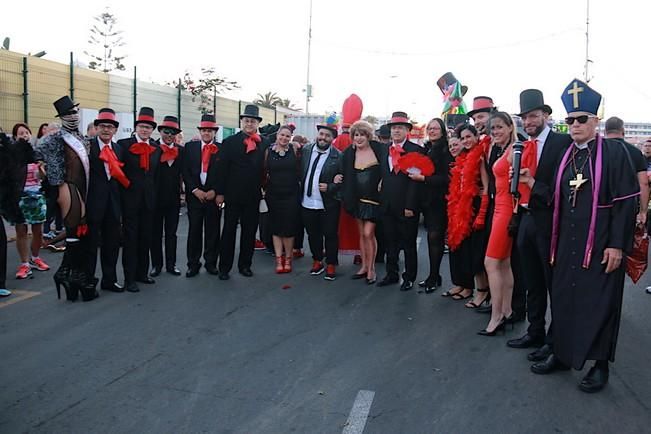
(141,157)
(168,198)
(200,165)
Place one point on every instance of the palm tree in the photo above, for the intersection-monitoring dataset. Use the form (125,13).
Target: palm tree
(268,100)
(288,104)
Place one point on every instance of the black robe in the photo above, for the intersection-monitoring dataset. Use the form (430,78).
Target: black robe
(586,302)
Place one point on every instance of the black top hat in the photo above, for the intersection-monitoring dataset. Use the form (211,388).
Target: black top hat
(384,131)
(146,116)
(106,116)
(446,80)
(399,118)
(171,122)
(251,111)
(208,121)
(532,99)
(64,105)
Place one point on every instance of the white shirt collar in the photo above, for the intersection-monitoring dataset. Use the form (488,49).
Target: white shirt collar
(141,140)
(542,137)
(401,144)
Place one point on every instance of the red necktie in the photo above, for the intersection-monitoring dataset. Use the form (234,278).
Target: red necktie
(115,166)
(206,152)
(534,150)
(170,153)
(251,142)
(143,149)
(395,151)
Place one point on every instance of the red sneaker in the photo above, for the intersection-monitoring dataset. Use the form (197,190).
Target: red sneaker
(24,272)
(259,245)
(317,268)
(330,273)
(38,264)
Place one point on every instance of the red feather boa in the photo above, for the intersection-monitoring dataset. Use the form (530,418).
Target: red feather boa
(464,186)
(418,161)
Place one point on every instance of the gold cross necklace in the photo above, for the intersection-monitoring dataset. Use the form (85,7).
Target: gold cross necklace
(579,180)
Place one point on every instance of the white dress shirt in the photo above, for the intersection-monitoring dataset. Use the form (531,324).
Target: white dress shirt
(542,138)
(202,175)
(315,201)
(106,166)
(401,144)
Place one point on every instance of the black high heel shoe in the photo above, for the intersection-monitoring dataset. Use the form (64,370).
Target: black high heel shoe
(500,328)
(510,320)
(62,278)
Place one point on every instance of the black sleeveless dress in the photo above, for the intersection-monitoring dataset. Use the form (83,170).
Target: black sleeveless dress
(366,186)
(282,193)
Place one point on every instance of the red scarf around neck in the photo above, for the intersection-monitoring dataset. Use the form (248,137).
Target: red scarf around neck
(144,150)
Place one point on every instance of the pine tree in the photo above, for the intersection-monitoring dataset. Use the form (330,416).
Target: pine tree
(105,40)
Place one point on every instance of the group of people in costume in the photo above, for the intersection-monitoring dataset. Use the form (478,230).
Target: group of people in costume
(524,218)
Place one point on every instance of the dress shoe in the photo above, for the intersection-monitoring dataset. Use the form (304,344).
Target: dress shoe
(549,365)
(596,379)
(132,287)
(358,276)
(113,287)
(407,285)
(526,341)
(246,272)
(146,280)
(540,354)
(155,272)
(174,271)
(212,270)
(388,281)
(191,272)
(224,276)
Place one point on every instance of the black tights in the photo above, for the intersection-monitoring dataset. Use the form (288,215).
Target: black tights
(436,247)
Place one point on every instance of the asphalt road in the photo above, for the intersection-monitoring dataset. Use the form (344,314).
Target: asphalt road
(249,356)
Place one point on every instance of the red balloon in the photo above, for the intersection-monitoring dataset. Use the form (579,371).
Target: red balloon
(352,109)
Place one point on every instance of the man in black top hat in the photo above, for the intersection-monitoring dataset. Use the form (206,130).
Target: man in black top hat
(239,178)
(141,156)
(400,205)
(200,166)
(104,209)
(168,198)
(533,236)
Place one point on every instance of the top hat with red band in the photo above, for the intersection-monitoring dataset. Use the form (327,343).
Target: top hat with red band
(482,104)
(106,116)
(399,118)
(146,116)
(171,122)
(208,122)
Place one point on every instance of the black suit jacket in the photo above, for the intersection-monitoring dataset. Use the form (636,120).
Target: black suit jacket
(168,181)
(142,190)
(331,168)
(192,171)
(540,202)
(103,195)
(399,192)
(239,175)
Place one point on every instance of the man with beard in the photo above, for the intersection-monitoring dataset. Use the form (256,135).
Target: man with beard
(535,225)
(321,176)
(141,157)
(482,107)
(594,197)
(239,178)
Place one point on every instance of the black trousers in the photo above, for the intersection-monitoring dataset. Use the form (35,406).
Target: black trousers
(299,239)
(400,233)
(3,256)
(136,223)
(534,254)
(246,214)
(322,225)
(166,219)
(203,234)
(105,235)
(519,300)
(264,226)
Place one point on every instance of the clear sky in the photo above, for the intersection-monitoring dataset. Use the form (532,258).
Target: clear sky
(389,53)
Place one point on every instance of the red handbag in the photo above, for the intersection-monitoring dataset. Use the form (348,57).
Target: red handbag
(637,259)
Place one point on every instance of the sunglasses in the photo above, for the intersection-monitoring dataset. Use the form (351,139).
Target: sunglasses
(581,119)
(168,131)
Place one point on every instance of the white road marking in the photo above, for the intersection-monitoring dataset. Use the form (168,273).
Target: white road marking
(359,413)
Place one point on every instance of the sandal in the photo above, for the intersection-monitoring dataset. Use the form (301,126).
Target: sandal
(449,292)
(458,295)
(472,305)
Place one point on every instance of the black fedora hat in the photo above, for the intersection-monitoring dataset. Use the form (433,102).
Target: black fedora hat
(146,116)
(251,111)
(64,105)
(482,104)
(208,121)
(171,122)
(106,116)
(532,99)
(383,131)
(400,118)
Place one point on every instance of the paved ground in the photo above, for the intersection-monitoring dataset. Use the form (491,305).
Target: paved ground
(247,356)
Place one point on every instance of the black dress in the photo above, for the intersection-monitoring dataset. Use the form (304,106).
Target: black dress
(282,192)
(366,185)
(435,188)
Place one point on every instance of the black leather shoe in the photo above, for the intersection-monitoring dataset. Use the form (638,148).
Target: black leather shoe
(526,341)
(487,308)
(549,365)
(246,272)
(132,287)
(224,276)
(174,271)
(596,380)
(212,270)
(146,280)
(388,281)
(155,272)
(191,272)
(407,285)
(540,354)
(113,287)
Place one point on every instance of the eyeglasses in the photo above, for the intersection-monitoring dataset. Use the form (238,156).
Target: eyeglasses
(581,119)
(106,126)
(168,131)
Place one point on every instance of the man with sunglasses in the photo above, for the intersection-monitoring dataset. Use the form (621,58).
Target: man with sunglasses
(594,195)
(168,198)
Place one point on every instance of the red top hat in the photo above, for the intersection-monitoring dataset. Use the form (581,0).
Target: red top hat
(146,116)
(106,116)
(170,122)
(399,118)
(208,122)
(482,104)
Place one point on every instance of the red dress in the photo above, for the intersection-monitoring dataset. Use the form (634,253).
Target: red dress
(348,232)
(499,242)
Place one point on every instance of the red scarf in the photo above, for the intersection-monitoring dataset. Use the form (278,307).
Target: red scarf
(395,151)
(169,153)
(107,154)
(143,149)
(206,152)
(251,142)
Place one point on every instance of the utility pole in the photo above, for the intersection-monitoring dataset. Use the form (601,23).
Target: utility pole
(586,77)
(308,87)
